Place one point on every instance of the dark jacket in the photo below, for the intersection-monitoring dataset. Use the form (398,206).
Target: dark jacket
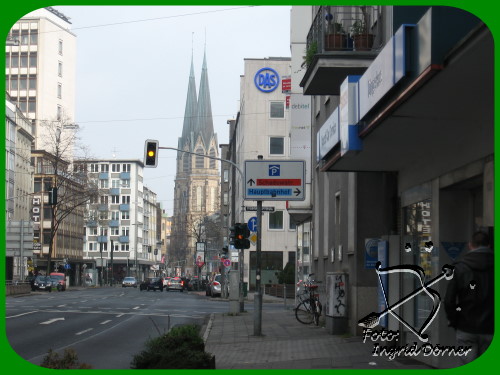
(471,292)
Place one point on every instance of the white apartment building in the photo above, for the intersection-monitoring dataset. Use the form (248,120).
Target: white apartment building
(40,68)
(120,224)
(263,128)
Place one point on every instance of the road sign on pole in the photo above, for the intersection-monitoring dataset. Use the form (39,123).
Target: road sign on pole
(275,180)
(252,224)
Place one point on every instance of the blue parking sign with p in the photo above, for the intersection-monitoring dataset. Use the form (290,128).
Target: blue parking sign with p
(274,170)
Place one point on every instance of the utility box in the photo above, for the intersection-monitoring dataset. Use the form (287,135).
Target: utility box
(336,303)
(234,292)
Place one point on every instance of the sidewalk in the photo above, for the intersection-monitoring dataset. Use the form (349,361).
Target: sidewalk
(287,344)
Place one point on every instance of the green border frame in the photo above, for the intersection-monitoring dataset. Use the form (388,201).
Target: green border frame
(485,10)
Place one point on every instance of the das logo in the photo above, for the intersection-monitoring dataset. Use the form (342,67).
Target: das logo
(267,80)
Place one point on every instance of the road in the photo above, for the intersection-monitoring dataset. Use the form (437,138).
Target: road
(105,326)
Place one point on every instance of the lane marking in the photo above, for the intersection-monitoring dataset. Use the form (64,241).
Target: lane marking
(106,322)
(18,315)
(52,321)
(137,307)
(84,331)
(120,315)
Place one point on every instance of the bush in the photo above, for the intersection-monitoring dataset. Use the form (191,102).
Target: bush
(68,361)
(181,348)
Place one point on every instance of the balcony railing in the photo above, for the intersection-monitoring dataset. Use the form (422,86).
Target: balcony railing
(342,28)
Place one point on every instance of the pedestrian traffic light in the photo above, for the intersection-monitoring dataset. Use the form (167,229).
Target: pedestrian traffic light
(151,153)
(232,235)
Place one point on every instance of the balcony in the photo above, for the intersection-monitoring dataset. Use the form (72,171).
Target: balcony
(114,223)
(123,239)
(125,175)
(114,191)
(342,41)
(102,239)
(124,207)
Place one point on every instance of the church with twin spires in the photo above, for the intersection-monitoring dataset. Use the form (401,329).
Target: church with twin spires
(197,181)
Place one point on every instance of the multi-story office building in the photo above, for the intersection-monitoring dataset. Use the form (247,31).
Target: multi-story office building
(403,157)
(18,188)
(120,223)
(262,128)
(40,69)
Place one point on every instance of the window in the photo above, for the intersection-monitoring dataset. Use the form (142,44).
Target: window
(32,63)
(200,159)
(276,220)
(115,167)
(225,199)
(14,83)
(59,113)
(59,69)
(32,83)
(115,199)
(226,175)
(115,215)
(276,146)
(125,231)
(185,162)
(34,37)
(125,183)
(23,82)
(104,199)
(126,167)
(277,110)
(115,183)
(104,184)
(31,105)
(60,47)
(212,161)
(125,215)
(124,247)
(126,199)
(92,246)
(15,61)
(292,225)
(24,37)
(94,167)
(59,90)
(93,231)
(115,231)
(104,167)
(24,60)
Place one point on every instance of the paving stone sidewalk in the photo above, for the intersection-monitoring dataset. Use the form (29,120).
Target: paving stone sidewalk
(287,344)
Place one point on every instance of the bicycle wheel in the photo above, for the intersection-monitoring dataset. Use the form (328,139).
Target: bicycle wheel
(304,313)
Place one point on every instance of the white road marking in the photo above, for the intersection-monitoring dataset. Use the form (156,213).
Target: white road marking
(120,315)
(106,322)
(84,331)
(61,305)
(137,307)
(16,316)
(52,321)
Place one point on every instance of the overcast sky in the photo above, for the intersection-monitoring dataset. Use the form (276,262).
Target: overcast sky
(133,68)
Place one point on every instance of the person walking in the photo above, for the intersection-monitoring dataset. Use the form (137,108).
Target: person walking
(469,298)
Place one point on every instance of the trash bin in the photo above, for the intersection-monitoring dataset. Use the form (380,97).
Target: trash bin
(245,289)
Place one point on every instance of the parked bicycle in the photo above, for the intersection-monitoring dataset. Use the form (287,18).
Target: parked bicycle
(309,307)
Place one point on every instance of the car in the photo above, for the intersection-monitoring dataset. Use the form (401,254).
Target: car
(175,283)
(129,281)
(165,281)
(214,286)
(61,280)
(44,283)
(194,284)
(154,283)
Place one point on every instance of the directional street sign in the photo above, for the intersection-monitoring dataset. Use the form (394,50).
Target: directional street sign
(252,224)
(264,209)
(275,180)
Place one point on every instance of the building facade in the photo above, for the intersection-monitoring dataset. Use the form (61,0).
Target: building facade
(18,189)
(120,223)
(403,152)
(263,128)
(197,188)
(40,69)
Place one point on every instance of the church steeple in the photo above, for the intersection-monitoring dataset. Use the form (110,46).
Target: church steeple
(204,126)
(190,113)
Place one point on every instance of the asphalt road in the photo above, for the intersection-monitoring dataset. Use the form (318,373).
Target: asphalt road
(106,327)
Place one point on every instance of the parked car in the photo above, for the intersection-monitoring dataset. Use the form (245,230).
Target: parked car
(165,281)
(154,283)
(129,281)
(194,284)
(175,283)
(214,286)
(44,283)
(61,280)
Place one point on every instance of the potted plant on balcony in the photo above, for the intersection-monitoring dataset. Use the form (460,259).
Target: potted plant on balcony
(363,40)
(311,50)
(335,37)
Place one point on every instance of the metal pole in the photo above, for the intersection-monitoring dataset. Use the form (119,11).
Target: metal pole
(111,283)
(257,328)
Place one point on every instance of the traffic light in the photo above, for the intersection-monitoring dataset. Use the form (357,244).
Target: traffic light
(151,154)
(239,236)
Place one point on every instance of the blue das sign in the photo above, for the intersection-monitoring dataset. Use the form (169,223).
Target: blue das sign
(266,80)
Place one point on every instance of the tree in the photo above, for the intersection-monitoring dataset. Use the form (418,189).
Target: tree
(62,163)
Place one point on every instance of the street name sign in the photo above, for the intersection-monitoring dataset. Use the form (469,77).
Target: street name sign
(275,180)
(254,208)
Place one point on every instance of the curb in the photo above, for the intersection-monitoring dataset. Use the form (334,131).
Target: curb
(209,328)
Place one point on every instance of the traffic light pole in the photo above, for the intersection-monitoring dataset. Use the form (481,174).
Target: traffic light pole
(257,327)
